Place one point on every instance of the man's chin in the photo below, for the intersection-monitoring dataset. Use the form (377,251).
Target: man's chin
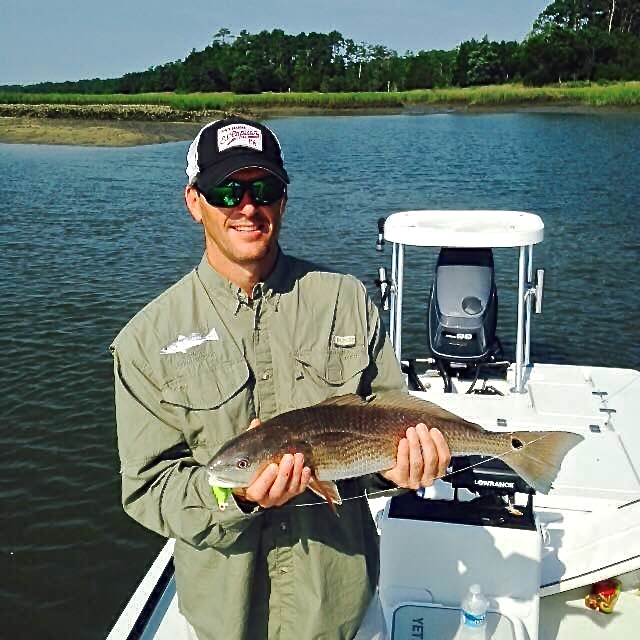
(251,254)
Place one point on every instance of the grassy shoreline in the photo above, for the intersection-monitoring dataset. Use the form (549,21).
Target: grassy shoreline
(624,94)
(124,120)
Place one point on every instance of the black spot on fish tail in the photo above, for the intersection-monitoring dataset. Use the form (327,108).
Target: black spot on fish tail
(537,455)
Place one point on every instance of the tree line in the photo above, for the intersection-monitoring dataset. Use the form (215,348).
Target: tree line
(571,40)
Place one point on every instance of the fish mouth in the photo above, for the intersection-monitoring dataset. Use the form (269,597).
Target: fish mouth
(217,480)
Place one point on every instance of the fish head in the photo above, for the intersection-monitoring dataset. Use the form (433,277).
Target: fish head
(242,459)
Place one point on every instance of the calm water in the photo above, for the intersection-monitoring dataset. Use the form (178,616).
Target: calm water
(88,236)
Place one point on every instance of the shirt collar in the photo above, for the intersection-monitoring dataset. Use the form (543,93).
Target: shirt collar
(279,280)
(221,290)
(218,288)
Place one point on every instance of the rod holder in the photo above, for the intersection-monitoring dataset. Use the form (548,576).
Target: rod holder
(385,288)
(380,240)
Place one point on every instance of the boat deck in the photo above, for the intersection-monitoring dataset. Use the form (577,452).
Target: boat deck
(562,616)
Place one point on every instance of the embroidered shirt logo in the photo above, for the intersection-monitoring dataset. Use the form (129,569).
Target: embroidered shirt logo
(183,343)
(239,135)
(344,341)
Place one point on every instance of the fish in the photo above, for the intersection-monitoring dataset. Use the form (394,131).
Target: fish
(349,436)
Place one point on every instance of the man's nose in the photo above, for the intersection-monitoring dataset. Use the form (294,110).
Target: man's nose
(247,205)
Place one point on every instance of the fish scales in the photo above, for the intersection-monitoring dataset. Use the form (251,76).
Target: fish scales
(375,432)
(343,442)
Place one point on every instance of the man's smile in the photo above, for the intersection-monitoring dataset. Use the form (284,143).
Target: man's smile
(250,229)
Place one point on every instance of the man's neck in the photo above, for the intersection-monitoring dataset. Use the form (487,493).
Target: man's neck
(244,275)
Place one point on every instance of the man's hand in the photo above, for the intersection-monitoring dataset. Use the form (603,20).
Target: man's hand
(422,457)
(278,483)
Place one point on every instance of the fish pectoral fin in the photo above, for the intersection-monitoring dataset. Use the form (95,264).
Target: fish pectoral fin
(327,490)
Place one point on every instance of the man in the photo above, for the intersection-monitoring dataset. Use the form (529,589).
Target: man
(250,333)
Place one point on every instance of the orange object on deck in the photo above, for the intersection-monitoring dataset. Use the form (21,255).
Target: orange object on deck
(603,595)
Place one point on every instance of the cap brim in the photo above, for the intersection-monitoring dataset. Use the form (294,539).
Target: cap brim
(213,176)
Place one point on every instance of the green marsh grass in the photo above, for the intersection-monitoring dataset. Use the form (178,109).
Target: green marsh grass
(186,106)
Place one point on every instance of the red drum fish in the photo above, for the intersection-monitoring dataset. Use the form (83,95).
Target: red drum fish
(348,436)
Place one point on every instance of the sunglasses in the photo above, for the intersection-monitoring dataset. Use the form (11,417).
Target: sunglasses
(263,191)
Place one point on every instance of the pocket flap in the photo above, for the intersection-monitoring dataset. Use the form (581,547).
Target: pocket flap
(206,387)
(335,365)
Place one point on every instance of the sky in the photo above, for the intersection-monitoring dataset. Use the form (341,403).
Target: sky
(56,40)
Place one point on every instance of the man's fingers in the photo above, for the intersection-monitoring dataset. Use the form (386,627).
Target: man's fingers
(402,459)
(416,463)
(295,482)
(259,488)
(254,423)
(278,483)
(429,455)
(281,482)
(444,455)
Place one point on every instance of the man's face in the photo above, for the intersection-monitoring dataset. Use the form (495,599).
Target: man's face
(243,235)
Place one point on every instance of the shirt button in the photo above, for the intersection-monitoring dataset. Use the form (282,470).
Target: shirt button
(283,526)
(266,375)
(283,570)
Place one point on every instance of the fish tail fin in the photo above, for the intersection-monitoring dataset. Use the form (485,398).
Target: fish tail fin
(327,490)
(536,456)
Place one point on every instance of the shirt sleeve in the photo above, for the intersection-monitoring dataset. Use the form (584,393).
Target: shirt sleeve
(163,487)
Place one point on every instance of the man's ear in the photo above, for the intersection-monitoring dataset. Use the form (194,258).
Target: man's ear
(192,200)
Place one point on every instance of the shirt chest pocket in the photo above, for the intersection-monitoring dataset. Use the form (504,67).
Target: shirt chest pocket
(324,372)
(216,400)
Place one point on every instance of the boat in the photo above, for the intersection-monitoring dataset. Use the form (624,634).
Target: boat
(553,567)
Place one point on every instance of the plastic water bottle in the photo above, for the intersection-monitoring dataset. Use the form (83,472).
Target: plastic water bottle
(474,613)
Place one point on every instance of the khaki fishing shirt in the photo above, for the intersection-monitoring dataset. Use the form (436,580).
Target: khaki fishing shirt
(192,369)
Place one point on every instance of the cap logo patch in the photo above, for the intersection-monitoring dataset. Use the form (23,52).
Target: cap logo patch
(239,135)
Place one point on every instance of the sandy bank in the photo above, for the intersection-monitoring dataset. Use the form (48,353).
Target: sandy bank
(95,133)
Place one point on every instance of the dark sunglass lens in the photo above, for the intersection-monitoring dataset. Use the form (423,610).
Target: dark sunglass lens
(227,194)
(267,190)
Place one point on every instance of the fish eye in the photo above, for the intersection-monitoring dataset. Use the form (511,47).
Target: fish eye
(243,463)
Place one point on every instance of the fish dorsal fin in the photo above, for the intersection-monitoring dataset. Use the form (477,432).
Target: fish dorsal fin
(348,400)
(396,401)
(401,400)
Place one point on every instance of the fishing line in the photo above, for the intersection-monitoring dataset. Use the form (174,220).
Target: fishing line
(453,473)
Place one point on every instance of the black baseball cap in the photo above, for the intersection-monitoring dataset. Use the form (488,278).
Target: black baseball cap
(225,146)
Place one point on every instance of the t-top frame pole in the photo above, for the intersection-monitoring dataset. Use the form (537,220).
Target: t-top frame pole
(392,297)
(521,348)
(527,336)
(397,276)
